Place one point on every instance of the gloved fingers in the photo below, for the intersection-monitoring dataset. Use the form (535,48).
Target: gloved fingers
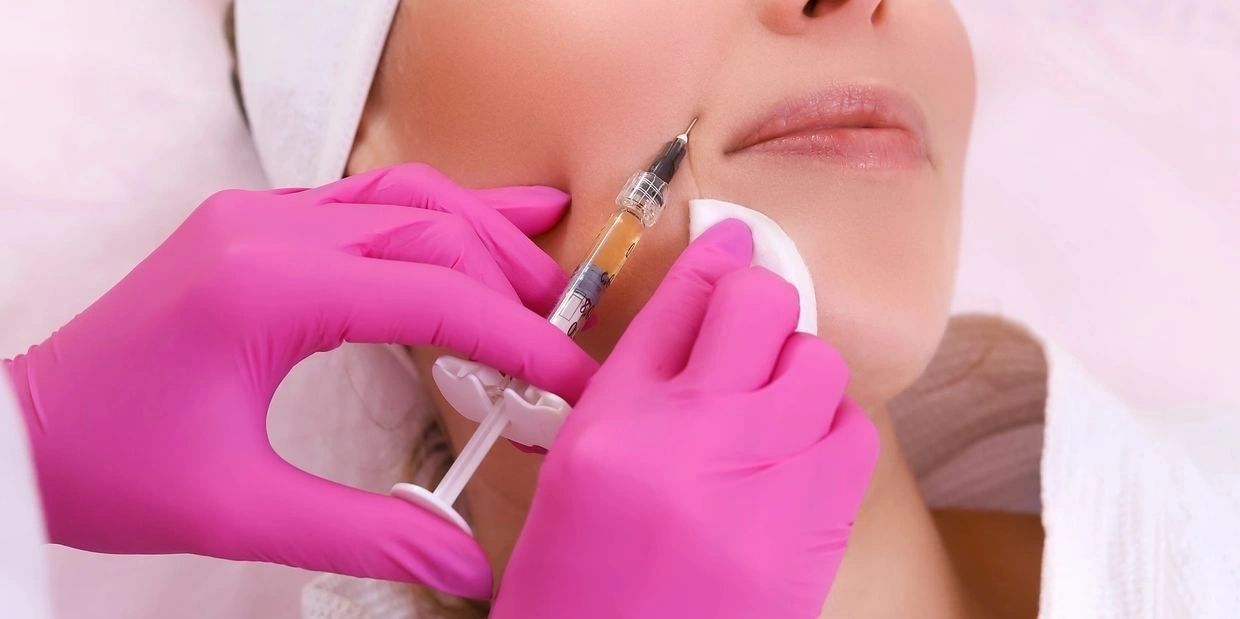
(526,209)
(405,184)
(807,363)
(533,275)
(505,234)
(660,337)
(381,301)
(846,456)
(288,516)
(418,235)
(531,209)
(811,373)
(749,318)
(435,237)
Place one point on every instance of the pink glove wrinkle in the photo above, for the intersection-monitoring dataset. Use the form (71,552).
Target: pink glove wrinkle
(146,413)
(713,466)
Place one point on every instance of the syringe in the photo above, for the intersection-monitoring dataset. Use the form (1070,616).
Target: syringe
(638,207)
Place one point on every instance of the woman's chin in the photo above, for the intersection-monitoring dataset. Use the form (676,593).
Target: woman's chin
(884,357)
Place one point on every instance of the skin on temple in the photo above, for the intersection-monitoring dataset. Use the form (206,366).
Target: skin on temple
(577,95)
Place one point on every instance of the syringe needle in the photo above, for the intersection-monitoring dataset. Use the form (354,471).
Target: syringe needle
(684,135)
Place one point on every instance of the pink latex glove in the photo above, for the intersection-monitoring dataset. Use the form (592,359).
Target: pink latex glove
(712,468)
(146,412)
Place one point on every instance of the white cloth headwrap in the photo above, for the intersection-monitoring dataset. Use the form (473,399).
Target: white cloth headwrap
(306,67)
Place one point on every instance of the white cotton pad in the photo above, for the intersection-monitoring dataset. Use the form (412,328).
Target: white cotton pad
(772,249)
(536,415)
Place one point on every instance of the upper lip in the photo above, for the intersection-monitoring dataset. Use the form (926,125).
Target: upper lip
(851,106)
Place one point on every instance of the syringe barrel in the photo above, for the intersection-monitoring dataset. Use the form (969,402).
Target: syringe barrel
(639,204)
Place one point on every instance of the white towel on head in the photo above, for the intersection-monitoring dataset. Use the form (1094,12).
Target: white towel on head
(306,67)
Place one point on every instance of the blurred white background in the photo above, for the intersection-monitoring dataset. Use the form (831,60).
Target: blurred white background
(1102,205)
(1102,201)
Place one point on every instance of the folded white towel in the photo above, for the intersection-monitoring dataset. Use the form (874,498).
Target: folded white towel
(1141,508)
(306,68)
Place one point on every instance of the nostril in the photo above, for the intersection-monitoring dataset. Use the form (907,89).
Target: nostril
(877,15)
(816,8)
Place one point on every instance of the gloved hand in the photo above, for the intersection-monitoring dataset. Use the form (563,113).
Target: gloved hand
(146,413)
(712,468)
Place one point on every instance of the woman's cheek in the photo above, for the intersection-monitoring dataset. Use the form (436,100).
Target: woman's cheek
(883,301)
(882,255)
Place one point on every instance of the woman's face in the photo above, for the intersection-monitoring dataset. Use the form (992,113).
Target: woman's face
(578,95)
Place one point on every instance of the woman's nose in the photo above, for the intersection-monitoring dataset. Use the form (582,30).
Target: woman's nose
(797,16)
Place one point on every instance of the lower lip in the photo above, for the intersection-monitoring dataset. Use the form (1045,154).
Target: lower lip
(857,147)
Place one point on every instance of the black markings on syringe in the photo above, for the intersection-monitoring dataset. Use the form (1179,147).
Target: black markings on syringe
(583,295)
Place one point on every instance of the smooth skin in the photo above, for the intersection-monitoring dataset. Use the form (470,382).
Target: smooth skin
(576,95)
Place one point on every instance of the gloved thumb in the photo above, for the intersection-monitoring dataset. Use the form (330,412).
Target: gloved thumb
(297,519)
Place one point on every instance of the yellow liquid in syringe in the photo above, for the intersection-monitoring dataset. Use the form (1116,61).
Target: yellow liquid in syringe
(610,251)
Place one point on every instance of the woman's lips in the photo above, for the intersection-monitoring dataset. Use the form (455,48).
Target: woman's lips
(857,126)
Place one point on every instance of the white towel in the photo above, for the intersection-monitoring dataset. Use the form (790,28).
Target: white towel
(306,68)
(1141,508)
